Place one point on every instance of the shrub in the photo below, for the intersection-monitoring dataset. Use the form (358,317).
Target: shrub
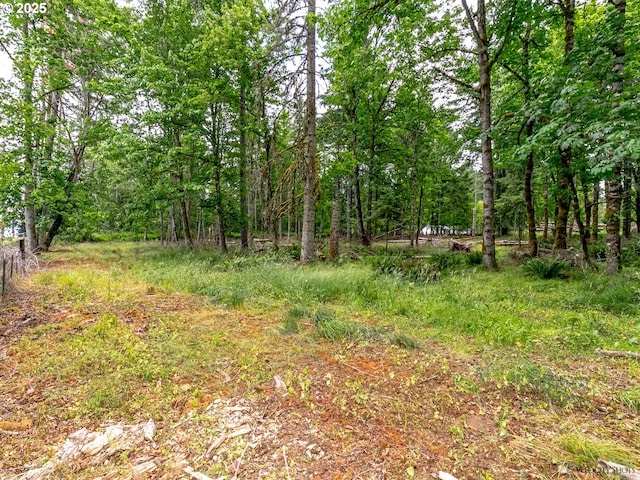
(545,269)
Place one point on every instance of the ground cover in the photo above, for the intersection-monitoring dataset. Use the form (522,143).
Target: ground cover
(256,367)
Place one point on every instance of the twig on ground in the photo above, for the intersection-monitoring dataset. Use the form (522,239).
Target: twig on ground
(286,464)
(360,371)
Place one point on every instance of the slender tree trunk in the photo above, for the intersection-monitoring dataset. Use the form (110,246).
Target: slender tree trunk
(528,174)
(334,246)
(581,227)
(626,199)
(636,186)
(242,167)
(488,198)
(613,192)
(563,199)
(27,74)
(419,222)
(348,212)
(412,197)
(587,206)
(528,196)
(222,241)
(161,228)
(478,25)
(308,220)
(185,223)
(545,228)
(595,211)
(364,238)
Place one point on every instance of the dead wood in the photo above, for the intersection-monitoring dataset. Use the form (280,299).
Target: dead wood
(616,353)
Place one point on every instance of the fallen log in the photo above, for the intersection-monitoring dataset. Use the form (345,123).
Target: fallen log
(458,246)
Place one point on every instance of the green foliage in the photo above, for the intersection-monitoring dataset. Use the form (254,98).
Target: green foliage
(474,257)
(545,269)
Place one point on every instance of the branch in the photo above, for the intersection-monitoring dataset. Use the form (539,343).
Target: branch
(472,23)
(515,74)
(6,50)
(456,80)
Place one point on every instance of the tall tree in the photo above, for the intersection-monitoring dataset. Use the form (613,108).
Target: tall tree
(486,61)
(310,165)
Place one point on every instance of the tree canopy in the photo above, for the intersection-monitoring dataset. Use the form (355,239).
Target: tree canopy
(188,121)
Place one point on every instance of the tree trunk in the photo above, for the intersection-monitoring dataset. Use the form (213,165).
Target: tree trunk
(222,241)
(27,75)
(612,216)
(636,186)
(308,218)
(185,223)
(412,198)
(626,199)
(419,222)
(587,206)
(488,197)
(613,191)
(364,238)
(595,211)
(334,246)
(563,199)
(545,230)
(528,174)
(242,167)
(581,226)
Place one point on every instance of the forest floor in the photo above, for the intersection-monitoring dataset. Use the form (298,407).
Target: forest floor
(87,342)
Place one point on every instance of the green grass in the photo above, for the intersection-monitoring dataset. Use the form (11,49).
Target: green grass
(505,309)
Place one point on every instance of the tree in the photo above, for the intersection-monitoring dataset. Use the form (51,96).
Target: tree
(310,165)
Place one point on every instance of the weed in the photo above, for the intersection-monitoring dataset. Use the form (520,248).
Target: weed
(545,269)
(631,399)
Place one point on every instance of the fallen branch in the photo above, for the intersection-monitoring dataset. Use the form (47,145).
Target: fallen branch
(360,371)
(616,353)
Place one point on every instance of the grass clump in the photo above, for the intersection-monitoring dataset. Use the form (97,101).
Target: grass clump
(585,450)
(631,399)
(545,269)
(291,320)
(411,269)
(404,341)
(337,330)
(528,376)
